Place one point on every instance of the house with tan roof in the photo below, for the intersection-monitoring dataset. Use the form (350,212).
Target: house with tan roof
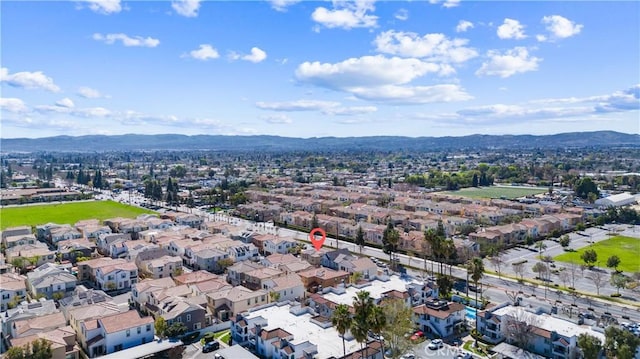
(141,291)
(225,304)
(35,325)
(438,318)
(288,287)
(236,272)
(63,233)
(116,276)
(256,278)
(116,332)
(194,277)
(12,289)
(38,252)
(165,266)
(324,277)
(62,341)
(50,281)
(18,240)
(208,286)
(15,231)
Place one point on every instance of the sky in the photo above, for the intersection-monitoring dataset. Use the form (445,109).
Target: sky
(315,69)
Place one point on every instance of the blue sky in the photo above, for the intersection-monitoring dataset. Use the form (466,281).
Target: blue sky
(311,69)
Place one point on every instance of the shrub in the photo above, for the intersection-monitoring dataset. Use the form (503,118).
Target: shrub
(208,337)
(616,295)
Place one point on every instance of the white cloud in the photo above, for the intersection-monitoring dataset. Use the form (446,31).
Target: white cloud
(282,5)
(349,111)
(511,29)
(88,92)
(364,71)
(28,80)
(257,55)
(65,102)
(299,105)
(346,15)
(464,25)
(516,60)
(378,78)
(105,7)
(187,8)
(541,38)
(135,41)
(13,105)
(446,3)
(410,95)
(435,47)
(560,27)
(204,52)
(277,119)
(401,14)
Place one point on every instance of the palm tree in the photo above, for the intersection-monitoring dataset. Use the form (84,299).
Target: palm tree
(448,252)
(363,306)
(541,247)
(431,238)
(342,320)
(476,268)
(378,322)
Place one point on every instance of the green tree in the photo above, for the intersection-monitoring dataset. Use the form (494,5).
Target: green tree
(37,349)
(363,306)
(564,241)
(589,345)
(619,281)
(445,284)
(360,238)
(613,262)
(314,221)
(342,320)
(160,326)
(399,317)
(378,323)
(476,269)
(620,343)
(390,239)
(274,296)
(225,263)
(586,186)
(590,257)
(175,330)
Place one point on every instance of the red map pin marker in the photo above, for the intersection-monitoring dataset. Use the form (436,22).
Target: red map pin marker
(317,242)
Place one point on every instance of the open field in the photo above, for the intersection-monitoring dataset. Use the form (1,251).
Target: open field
(66,213)
(498,192)
(627,248)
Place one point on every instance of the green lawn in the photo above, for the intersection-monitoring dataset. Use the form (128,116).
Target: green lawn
(66,213)
(627,248)
(223,336)
(498,192)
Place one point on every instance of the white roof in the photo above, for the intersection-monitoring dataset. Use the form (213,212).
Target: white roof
(328,341)
(375,290)
(553,324)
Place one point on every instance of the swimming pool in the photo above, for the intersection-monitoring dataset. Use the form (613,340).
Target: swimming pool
(471,313)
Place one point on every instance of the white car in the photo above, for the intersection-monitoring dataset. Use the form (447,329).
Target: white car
(435,344)
(463,356)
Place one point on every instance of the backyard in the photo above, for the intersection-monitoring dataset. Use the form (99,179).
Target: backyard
(626,248)
(66,213)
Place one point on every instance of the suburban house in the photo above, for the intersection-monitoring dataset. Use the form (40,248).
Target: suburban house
(208,259)
(116,276)
(548,335)
(288,287)
(72,249)
(194,277)
(227,303)
(141,291)
(280,245)
(18,240)
(256,278)
(62,340)
(104,241)
(438,318)
(116,332)
(50,281)
(316,278)
(236,272)
(332,258)
(31,326)
(24,310)
(63,233)
(35,254)
(185,311)
(12,289)
(165,266)
(15,231)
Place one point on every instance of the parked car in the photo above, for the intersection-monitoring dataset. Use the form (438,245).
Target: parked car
(435,344)
(463,356)
(417,335)
(210,346)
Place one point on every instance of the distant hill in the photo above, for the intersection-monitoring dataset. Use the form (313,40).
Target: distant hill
(132,142)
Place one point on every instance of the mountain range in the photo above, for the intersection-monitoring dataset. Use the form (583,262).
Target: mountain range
(135,142)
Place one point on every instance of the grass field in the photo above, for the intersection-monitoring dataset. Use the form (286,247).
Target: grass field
(498,192)
(66,213)
(627,248)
